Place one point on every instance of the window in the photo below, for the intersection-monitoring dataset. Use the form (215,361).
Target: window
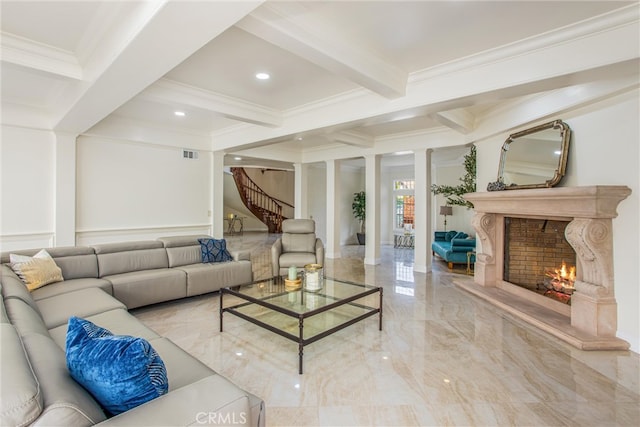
(403,184)
(404,209)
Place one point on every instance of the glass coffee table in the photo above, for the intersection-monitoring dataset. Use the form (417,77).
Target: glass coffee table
(299,315)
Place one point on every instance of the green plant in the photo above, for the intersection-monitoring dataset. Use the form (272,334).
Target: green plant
(454,193)
(359,208)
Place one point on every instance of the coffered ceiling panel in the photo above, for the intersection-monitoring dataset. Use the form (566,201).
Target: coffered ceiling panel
(228,65)
(342,73)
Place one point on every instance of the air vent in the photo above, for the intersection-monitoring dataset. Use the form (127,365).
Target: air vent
(189,154)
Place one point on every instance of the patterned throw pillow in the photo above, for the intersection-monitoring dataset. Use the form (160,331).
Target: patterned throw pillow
(36,271)
(214,250)
(121,372)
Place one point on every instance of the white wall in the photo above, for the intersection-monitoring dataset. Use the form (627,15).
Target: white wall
(604,151)
(125,188)
(27,188)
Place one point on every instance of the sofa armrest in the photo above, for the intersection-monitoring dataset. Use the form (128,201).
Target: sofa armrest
(319,252)
(243,255)
(459,245)
(439,236)
(211,401)
(276,251)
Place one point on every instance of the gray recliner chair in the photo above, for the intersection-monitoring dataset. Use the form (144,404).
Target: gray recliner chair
(298,246)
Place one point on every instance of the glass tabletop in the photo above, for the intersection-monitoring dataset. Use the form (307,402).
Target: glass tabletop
(273,294)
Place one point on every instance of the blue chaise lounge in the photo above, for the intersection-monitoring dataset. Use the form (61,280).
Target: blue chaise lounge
(453,246)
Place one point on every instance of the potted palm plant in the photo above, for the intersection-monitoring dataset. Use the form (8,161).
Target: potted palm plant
(359,212)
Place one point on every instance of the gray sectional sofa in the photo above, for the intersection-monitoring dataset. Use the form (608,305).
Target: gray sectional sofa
(100,284)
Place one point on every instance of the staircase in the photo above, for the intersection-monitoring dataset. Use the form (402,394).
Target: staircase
(266,208)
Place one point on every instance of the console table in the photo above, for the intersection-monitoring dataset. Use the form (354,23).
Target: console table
(235,225)
(402,240)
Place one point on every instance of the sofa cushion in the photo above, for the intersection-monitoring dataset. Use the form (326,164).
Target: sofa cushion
(204,278)
(21,401)
(12,287)
(120,371)
(36,271)
(184,255)
(450,235)
(3,312)
(78,266)
(70,286)
(182,368)
(179,241)
(296,258)
(139,288)
(66,403)
(298,225)
(119,321)
(24,318)
(214,250)
(299,242)
(211,401)
(56,310)
(118,258)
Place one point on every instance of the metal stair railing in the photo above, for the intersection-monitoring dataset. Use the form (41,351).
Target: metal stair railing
(266,208)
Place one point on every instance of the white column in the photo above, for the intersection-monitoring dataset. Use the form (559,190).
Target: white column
(332,247)
(429,209)
(421,194)
(301,209)
(217,209)
(372,189)
(65,191)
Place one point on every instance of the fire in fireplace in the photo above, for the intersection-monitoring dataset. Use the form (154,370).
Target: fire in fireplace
(559,283)
(538,257)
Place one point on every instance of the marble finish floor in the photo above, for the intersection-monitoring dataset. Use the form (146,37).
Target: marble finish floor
(444,357)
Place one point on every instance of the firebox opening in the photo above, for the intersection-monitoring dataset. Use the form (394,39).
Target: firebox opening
(537,257)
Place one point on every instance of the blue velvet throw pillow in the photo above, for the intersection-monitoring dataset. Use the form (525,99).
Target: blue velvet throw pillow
(121,372)
(214,250)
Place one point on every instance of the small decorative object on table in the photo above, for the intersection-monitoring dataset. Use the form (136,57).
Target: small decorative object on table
(313,277)
(292,282)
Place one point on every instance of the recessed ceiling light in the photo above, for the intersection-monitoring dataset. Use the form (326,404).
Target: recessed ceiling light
(299,138)
(237,158)
(179,113)
(263,76)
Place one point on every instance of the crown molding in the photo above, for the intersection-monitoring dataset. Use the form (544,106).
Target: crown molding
(609,21)
(39,56)
(172,92)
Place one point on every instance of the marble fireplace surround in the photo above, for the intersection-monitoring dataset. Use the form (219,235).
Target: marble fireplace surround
(590,323)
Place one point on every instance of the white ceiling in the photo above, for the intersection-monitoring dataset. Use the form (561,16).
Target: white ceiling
(77,64)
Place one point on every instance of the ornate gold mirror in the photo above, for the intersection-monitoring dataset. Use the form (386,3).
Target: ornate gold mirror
(534,158)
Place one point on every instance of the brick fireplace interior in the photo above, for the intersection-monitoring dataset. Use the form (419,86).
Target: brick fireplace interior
(538,257)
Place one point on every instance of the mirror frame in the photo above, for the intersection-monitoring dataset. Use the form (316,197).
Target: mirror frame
(565,133)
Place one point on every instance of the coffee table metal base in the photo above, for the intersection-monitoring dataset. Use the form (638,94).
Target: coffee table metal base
(300,339)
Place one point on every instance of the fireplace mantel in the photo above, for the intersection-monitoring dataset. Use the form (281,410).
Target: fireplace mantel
(599,201)
(590,210)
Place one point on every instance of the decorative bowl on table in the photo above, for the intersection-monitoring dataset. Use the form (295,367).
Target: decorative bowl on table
(292,285)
